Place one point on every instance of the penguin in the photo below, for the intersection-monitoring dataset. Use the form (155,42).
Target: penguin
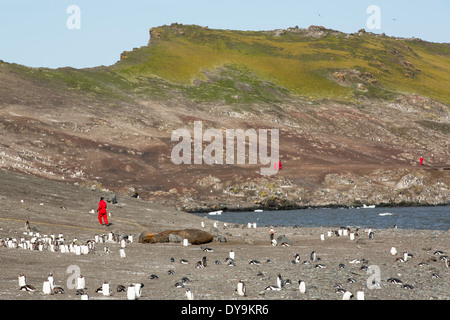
(280,282)
(320,266)
(301,286)
(189,294)
(46,288)
(206,249)
(131,292)
(231,254)
(351,280)
(185,280)
(313,256)
(154,277)
(58,290)
(296,259)
(371,234)
(439,252)
(105,289)
(179,285)
(204,263)
(81,282)
(170,272)
(347,295)
(22,280)
(272,288)
(138,289)
(122,253)
(172,259)
(435,275)
(28,288)
(405,256)
(421,264)
(254,262)
(355,261)
(393,251)
(241,289)
(340,290)
(394,281)
(408,286)
(217,262)
(184,261)
(341,266)
(51,280)
(203,224)
(360,295)
(80,292)
(121,288)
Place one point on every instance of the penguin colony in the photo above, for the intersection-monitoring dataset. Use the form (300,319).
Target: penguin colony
(32,240)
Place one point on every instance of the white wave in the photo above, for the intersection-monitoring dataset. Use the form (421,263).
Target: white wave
(385,214)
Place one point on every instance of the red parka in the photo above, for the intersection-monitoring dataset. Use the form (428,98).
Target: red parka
(102,207)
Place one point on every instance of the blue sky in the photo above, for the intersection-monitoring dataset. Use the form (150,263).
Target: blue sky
(35,33)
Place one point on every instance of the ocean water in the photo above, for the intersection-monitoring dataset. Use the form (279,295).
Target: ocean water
(431,218)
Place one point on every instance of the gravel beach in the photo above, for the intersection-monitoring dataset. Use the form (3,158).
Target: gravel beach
(55,208)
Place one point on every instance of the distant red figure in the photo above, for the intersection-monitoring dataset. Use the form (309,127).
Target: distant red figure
(102,211)
(421,161)
(278,164)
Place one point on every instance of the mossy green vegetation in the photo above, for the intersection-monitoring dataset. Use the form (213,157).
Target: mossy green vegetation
(263,67)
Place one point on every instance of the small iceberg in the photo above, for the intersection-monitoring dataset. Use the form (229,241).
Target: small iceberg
(213,213)
(385,214)
(258,210)
(368,206)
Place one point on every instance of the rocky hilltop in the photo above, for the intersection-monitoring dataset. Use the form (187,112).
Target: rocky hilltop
(354,113)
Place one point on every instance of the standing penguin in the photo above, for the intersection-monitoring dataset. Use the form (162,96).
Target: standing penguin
(51,280)
(280,282)
(81,282)
(131,292)
(22,280)
(46,288)
(313,256)
(347,295)
(138,289)
(189,294)
(105,289)
(301,286)
(241,289)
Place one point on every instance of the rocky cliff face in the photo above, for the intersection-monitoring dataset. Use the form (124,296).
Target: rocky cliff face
(353,119)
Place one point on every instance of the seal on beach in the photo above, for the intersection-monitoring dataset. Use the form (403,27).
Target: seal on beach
(241,289)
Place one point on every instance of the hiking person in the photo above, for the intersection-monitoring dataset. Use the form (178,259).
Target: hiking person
(421,160)
(102,213)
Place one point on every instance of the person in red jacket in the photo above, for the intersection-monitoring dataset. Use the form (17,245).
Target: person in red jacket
(102,211)
(421,160)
